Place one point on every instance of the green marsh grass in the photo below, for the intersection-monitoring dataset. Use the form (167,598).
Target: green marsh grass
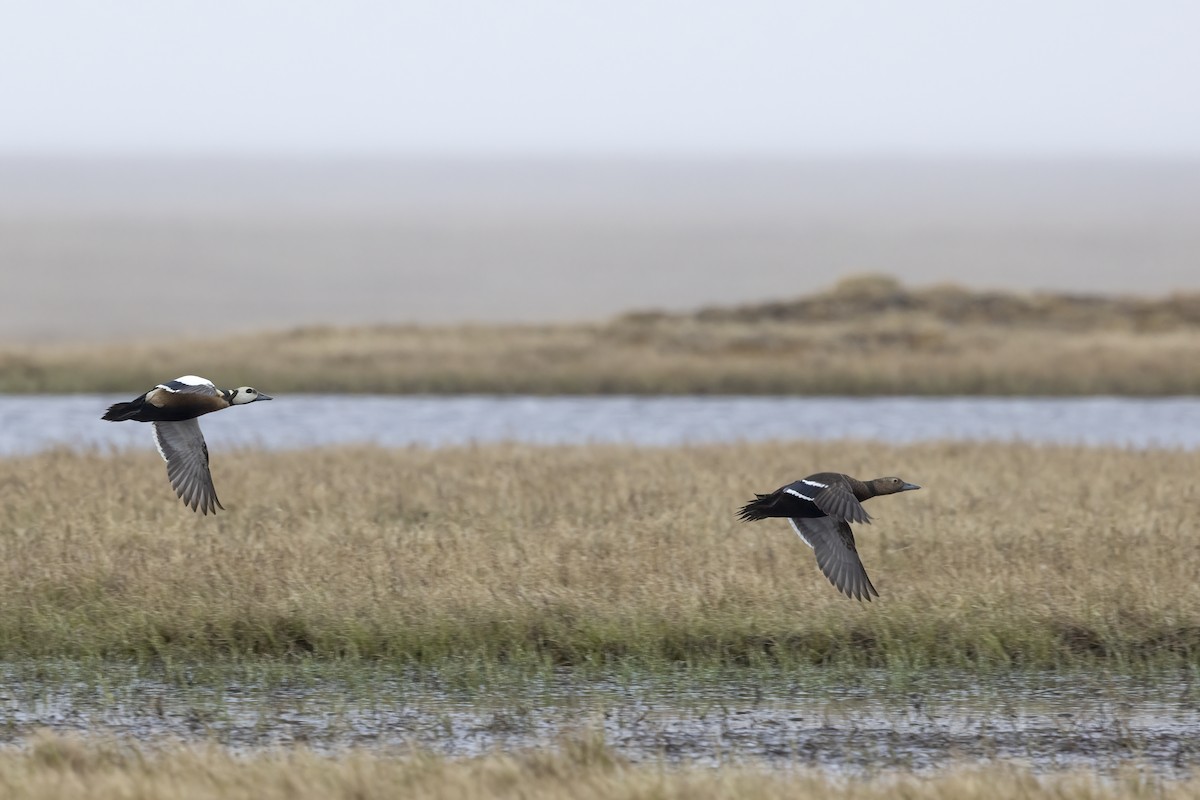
(490,558)
(52,766)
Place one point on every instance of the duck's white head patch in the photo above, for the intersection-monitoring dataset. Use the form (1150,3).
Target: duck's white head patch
(247,394)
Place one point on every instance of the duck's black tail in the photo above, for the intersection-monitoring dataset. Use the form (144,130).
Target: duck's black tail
(758,508)
(123,411)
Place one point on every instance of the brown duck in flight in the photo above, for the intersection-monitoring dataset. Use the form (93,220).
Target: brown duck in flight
(821,508)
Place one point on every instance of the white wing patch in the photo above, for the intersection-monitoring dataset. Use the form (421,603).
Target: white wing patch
(158,443)
(187,380)
(800,533)
(815,483)
(797,494)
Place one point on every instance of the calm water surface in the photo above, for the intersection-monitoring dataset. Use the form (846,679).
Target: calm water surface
(1051,722)
(33,423)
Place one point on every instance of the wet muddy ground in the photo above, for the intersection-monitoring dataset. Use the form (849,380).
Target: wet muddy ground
(1049,722)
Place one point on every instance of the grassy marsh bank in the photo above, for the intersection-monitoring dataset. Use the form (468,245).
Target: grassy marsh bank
(865,336)
(581,767)
(1014,556)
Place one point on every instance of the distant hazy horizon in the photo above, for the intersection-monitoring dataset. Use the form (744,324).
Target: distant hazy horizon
(144,247)
(655,77)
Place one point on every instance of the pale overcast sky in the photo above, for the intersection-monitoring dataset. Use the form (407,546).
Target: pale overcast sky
(752,77)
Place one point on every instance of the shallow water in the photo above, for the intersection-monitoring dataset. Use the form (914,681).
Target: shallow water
(1049,722)
(32,423)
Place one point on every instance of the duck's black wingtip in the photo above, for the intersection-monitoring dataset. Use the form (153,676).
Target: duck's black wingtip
(204,505)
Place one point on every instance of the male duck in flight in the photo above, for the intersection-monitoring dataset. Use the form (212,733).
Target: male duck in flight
(172,408)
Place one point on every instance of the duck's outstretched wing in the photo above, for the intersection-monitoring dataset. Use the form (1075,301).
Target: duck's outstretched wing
(181,444)
(833,543)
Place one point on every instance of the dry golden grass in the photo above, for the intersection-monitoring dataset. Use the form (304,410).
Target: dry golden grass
(867,336)
(56,767)
(1012,556)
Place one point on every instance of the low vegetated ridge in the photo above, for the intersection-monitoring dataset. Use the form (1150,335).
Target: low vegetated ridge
(868,296)
(866,336)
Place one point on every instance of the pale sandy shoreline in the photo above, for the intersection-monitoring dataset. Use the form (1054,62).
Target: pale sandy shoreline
(135,249)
